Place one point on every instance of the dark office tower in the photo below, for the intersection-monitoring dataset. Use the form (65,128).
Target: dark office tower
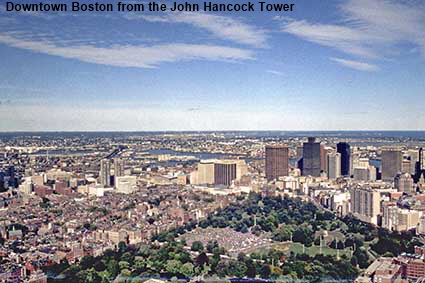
(11,174)
(391,159)
(323,158)
(277,160)
(2,186)
(300,164)
(343,148)
(312,155)
(224,172)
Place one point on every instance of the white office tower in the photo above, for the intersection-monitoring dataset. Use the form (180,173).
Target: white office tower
(220,172)
(118,167)
(27,186)
(413,155)
(241,169)
(126,184)
(365,204)
(105,172)
(206,172)
(398,219)
(334,165)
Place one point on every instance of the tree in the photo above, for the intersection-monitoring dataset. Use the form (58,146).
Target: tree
(202,259)
(99,266)
(197,246)
(87,262)
(187,269)
(303,235)
(123,265)
(93,277)
(128,257)
(211,245)
(113,268)
(122,247)
(265,271)
(250,269)
(173,266)
(239,269)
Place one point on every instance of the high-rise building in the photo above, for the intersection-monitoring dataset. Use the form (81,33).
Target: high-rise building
(26,187)
(343,148)
(126,184)
(206,172)
(366,173)
(413,156)
(105,172)
(241,169)
(391,159)
(277,162)
(405,166)
(365,204)
(12,178)
(421,159)
(312,155)
(220,172)
(403,182)
(323,158)
(118,167)
(299,152)
(334,165)
(395,218)
(224,172)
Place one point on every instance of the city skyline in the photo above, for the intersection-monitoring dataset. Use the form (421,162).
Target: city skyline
(339,65)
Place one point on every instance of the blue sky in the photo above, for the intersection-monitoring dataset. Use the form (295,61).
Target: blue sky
(328,65)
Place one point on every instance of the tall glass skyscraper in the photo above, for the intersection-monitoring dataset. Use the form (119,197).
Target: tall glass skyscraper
(343,148)
(312,158)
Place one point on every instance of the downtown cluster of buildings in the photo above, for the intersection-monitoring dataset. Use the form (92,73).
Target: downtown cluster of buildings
(85,195)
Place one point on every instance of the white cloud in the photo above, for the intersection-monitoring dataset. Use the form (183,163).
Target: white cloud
(133,55)
(345,39)
(223,27)
(274,72)
(369,28)
(357,65)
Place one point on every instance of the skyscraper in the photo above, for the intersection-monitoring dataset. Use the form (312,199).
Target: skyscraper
(403,182)
(343,148)
(206,172)
(334,165)
(421,159)
(220,172)
(391,159)
(365,204)
(12,177)
(105,172)
(277,160)
(413,156)
(323,158)
(118,167)
(312,155)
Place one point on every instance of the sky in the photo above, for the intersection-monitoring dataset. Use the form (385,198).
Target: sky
(327,65)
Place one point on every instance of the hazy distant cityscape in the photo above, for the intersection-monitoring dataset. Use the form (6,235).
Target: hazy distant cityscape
(158,206)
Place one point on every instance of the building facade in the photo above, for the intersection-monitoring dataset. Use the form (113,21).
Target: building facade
(312,155)
(277,162)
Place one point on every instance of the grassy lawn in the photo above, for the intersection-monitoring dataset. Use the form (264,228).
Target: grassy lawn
(312,251)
